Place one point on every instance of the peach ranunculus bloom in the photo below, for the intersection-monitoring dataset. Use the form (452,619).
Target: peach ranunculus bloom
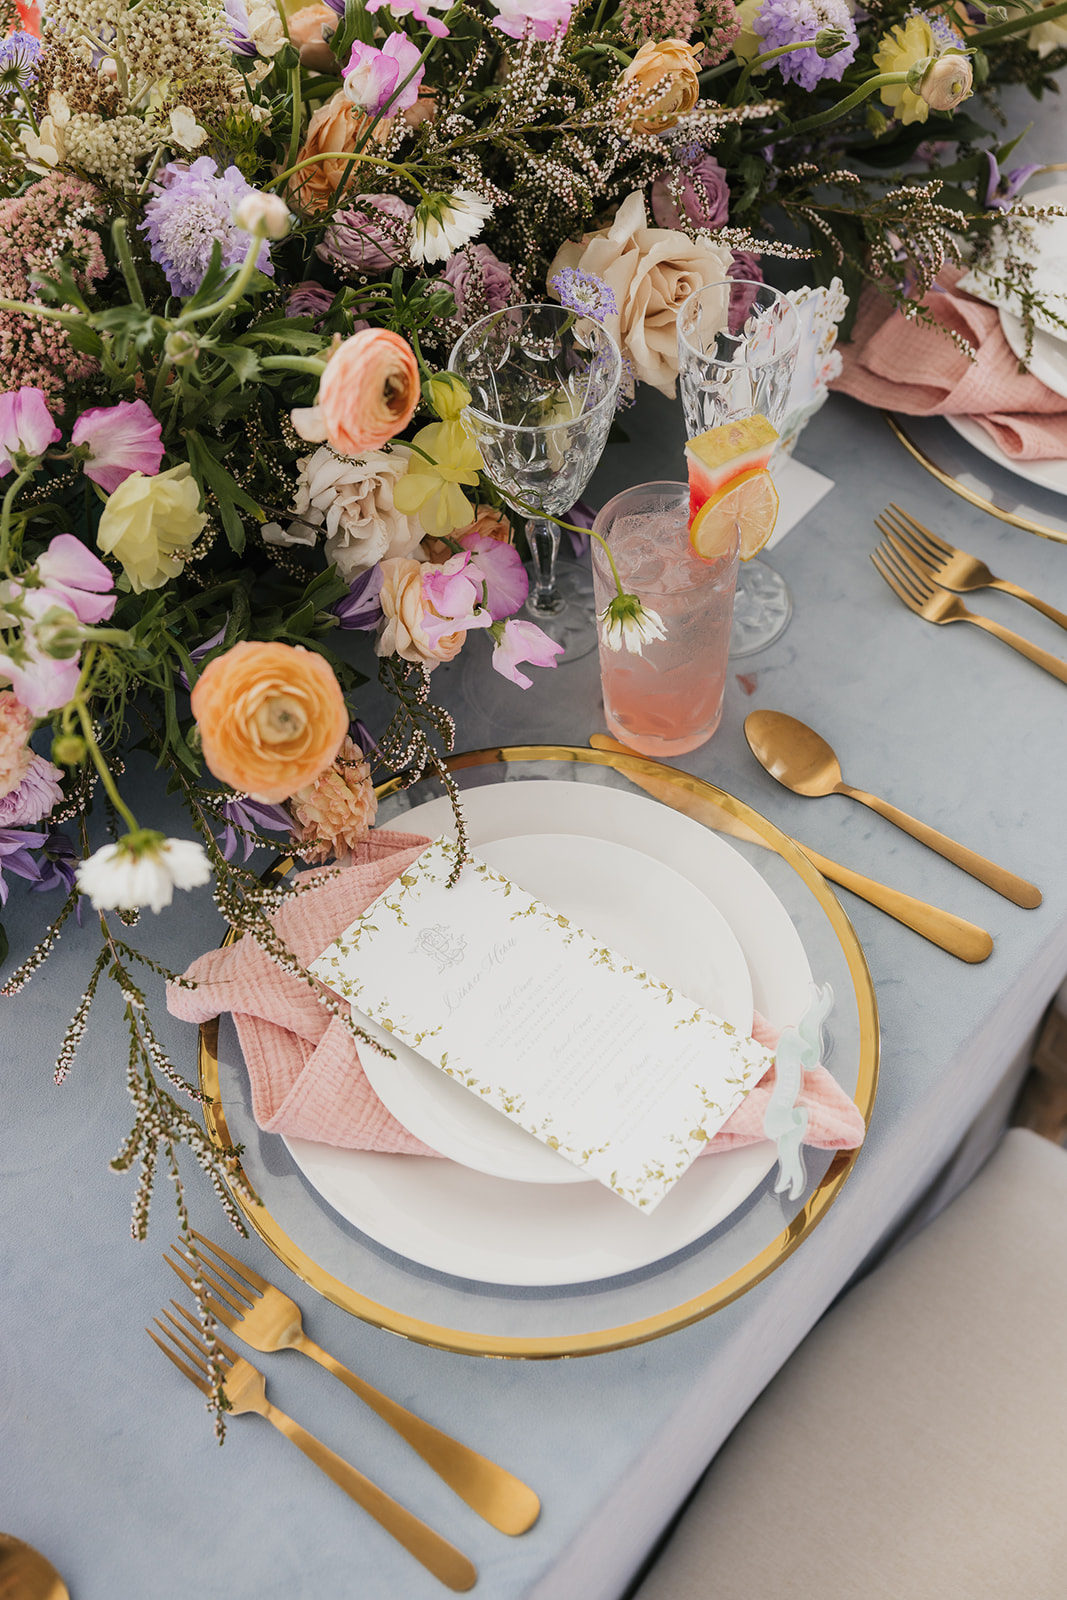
(667,69)
(16,725)
(488,521)
(367,394)
(334,130)
(403,611)
(335,812)
(651,272)
(271,718)
(306,35)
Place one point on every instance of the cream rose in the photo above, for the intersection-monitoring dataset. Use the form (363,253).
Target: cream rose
(667,68)
(651,272)
(150,525)
(403,610)
(353,502)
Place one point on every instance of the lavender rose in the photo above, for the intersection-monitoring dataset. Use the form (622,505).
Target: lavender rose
(704,194)
(479,280)
(373,239)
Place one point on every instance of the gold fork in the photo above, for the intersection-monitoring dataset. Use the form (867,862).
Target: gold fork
(268,1320)
(929,600)
(955,569)
(246,1390)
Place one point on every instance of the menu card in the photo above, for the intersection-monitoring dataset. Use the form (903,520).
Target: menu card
(599,1059)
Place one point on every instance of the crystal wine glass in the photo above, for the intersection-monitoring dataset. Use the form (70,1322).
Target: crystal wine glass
(737,350)
(544,382)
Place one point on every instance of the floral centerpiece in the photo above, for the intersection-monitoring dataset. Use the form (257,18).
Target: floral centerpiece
(236,247)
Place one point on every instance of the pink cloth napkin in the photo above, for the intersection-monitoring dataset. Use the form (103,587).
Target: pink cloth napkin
(303,1064)
(908,367)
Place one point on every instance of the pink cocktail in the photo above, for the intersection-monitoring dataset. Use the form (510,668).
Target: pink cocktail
(669,699)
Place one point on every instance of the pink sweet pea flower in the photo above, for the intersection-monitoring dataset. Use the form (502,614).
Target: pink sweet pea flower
(539,19)
(40,682)
(122,439)
(501,568)
(26,426)
(75,579)
(416,9)
(373,76)
(522,641)
(451,602)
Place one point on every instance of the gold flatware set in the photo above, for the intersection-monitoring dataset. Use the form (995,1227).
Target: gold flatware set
(268,1320)
(929,575)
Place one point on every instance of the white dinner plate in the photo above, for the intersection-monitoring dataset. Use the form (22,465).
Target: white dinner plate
(1048,356)
(1050,474)
(634,904)
(455,1220)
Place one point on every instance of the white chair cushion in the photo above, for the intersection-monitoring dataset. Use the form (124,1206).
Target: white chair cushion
(915,1446)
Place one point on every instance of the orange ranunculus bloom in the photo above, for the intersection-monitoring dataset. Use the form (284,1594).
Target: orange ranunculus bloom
(668,66)
(334,130)
(271,718)
(367,394)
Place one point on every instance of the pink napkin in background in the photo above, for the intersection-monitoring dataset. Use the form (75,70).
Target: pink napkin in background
(908,367)
(303,1064)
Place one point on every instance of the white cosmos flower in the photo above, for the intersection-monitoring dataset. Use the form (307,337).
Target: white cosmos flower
(143,869)
(444,223)
(625,621)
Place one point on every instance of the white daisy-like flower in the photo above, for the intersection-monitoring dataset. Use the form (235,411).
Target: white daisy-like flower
(625,621)
(142,869)
(444,223)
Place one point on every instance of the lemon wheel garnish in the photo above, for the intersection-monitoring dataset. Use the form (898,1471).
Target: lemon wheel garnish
(746,509)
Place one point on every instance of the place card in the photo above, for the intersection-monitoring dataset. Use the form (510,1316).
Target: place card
(599,1059)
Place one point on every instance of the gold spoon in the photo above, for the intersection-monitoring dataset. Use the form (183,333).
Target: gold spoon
(803,762)
(26,1575)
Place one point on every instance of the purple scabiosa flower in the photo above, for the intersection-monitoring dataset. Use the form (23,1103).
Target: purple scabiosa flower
(374,238)
(479,280)
(244,817)
(584,292)
(701,187)
(18,52)
(192,209)
(361,608)
(781,22)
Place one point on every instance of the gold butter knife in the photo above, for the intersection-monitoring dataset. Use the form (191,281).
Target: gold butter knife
(960,938)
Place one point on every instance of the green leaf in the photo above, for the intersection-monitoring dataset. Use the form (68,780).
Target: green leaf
(243,361)
(211,475)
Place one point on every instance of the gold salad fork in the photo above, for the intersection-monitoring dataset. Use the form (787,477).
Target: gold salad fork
(955,569)
(927,599)
(246,1390)
(268,1320)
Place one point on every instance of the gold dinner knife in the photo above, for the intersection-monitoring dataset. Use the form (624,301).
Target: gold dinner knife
(960,938)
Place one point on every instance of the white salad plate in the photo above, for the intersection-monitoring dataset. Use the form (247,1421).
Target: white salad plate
(632,903)
(453,1219)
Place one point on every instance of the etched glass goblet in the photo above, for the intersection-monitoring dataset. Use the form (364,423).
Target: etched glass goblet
(737,351)
(544,383)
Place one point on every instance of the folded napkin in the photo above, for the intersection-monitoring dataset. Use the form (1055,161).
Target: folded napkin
(905,366)
(303,1064)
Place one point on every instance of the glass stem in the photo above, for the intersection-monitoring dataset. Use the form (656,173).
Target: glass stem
(542,536)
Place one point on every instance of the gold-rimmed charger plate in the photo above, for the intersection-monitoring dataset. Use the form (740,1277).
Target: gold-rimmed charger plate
(946,456)
(477,1319)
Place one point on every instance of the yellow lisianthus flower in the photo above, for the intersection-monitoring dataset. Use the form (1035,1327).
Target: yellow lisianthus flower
(150,523)
(901,48)
(431,488)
